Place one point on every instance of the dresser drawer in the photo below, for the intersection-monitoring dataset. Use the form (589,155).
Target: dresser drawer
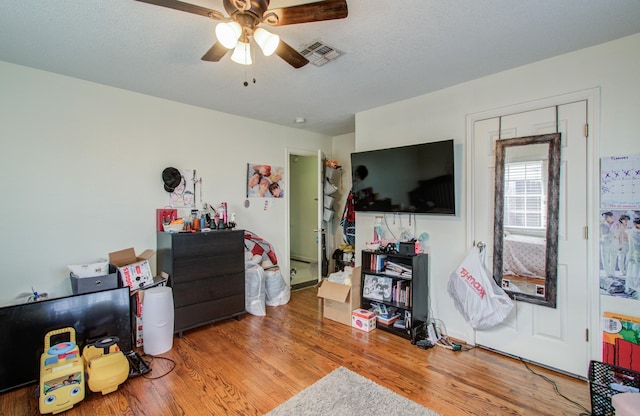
(188,269)
(209,289)
(207,312)
(203,244)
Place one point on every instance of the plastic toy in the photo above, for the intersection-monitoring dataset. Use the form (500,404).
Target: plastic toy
(61,374)
(106,366)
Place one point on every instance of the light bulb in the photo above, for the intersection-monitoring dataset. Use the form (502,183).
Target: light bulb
(228,34)
(242,54)
(267,41)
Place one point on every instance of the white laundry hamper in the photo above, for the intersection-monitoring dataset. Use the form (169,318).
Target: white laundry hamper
(157,320)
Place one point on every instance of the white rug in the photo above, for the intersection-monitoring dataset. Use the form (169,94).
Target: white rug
(345,393)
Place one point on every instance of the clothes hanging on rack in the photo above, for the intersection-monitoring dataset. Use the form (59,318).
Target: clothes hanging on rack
(348,221)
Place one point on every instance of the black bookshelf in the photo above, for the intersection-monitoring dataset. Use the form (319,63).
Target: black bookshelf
(398,283)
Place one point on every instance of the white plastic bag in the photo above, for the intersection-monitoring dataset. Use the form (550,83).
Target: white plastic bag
(255,298)
(277,291)
(479,299)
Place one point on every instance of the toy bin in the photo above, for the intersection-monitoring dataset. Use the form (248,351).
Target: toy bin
(605,381)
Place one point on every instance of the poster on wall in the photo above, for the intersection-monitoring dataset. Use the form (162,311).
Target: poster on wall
(184,194)
(621,340)
(265,181)
(620,226)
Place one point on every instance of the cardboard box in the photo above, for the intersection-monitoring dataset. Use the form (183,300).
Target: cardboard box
(95,269)
(363,319)
(81,284)
(135,271)
(137,299)
(138,331)
(340,300)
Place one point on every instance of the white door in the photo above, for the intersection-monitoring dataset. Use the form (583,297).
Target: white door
(553,337)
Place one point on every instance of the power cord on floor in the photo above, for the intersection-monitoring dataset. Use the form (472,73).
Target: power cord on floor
(443,337)
(555,387)
(155,357)
(445,343)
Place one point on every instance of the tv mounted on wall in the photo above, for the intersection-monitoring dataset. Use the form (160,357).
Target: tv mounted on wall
(415,179)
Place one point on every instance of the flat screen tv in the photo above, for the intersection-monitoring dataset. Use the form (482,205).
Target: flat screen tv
(92,315)
(416,179)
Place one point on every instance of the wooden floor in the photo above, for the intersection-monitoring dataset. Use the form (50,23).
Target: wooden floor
(251,365)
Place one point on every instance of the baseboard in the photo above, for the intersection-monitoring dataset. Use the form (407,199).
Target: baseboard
(303,285)
(304,259)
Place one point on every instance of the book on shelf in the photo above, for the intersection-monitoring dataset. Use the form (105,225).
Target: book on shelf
(377,262)
(378,308)
(396,274)
(408,296)
(399,323)
(405,322)
(388,319)
(396,269)
(401,292)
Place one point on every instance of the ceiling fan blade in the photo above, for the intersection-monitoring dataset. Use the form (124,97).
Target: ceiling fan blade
(215,53)
(293,57)
(304,13)
(187,7)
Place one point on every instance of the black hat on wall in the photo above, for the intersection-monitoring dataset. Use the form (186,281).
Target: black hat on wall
(171,178)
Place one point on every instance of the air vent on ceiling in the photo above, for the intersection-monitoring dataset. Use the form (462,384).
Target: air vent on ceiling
(319,53)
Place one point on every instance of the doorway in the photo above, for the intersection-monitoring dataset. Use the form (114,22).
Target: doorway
(303,219)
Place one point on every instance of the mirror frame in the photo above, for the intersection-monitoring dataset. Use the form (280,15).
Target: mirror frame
(553,201)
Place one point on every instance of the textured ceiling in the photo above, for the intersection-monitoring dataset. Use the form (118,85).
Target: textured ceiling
(393,50)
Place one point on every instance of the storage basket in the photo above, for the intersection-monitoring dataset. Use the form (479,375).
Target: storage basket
(330,173)
(329,188)
(328,201)
(606,380)
(327,214)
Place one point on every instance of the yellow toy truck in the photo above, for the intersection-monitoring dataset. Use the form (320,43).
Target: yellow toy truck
(61,374)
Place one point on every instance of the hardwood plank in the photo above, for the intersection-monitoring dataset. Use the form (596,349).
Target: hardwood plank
(251,365)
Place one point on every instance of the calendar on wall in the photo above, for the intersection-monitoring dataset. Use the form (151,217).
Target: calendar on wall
(620,226)
(620,182)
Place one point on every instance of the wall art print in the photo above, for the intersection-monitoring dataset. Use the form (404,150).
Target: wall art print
(620,226)
(184,194)
(265,181)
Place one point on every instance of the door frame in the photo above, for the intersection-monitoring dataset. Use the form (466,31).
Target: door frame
(311,153)
(592,97)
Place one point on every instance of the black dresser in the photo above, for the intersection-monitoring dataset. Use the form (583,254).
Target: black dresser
(206,274)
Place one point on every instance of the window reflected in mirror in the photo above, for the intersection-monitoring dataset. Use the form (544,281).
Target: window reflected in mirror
(526,217)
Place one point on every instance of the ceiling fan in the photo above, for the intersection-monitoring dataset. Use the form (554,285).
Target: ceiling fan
(243,24)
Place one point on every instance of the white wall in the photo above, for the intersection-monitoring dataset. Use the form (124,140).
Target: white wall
(614,67)
(81,168)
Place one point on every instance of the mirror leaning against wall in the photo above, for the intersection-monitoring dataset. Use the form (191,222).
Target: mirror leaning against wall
(525,252)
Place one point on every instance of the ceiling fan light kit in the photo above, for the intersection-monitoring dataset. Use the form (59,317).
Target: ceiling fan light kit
(228,34)
(267,41)
(244,17)
(242,54)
